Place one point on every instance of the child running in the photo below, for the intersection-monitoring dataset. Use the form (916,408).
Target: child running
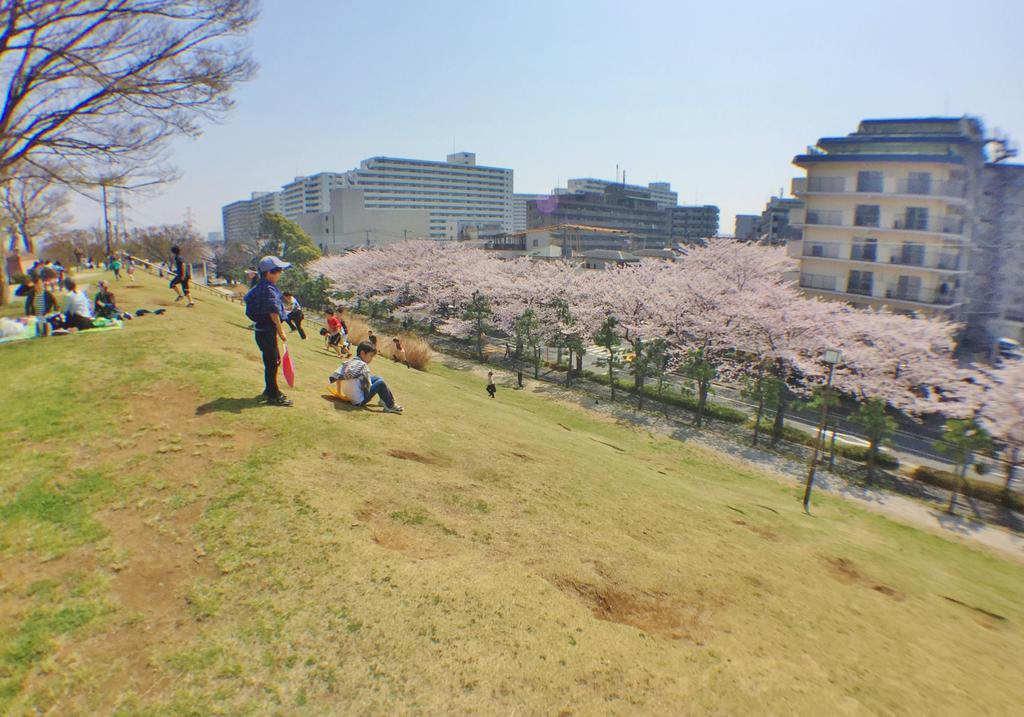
(180,281)
(335,334)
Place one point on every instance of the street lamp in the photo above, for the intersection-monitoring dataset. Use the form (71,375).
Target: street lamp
(832,357)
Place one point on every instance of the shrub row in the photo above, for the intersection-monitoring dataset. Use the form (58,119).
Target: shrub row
(854,453)
(988,492)
(674,398)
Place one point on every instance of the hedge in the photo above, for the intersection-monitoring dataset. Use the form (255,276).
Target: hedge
(854,453)
(988,492)
(673,398)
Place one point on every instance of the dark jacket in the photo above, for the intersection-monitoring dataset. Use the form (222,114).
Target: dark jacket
(29,292)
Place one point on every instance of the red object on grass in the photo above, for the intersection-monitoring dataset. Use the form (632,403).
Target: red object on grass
(287,367)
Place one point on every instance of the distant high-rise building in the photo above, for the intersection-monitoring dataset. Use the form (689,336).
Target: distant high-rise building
(774,226)
(519,202)
(458,192)
(241,219)
(306,195)
(660,192)
(215,237)
(692,223)
(614,207)
(747,226)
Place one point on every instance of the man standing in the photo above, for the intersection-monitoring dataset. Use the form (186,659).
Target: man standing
(180,281)
(264,306)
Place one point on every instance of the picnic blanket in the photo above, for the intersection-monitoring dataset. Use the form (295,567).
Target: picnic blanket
(11,332)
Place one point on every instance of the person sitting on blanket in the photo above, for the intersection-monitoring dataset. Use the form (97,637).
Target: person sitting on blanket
(359,384)
(39,302)
(76,307)
(104,304)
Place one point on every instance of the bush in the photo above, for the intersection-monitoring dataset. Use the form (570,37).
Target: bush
(673,398)
(854,453)
(988,492)
(417,352)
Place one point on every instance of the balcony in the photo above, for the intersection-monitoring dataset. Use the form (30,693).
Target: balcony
(822,251)
(925,260)
(864,252)
(934,225)
(940,188)
(829,217)
(818,281)
(920,295)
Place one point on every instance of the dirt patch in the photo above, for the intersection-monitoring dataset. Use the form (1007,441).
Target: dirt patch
(412,456)
(759,530)
(158,558)
(844,571)
(653,611)
(414,535)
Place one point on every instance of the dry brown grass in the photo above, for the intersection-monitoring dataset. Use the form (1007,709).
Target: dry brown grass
(358,330)
(418,353)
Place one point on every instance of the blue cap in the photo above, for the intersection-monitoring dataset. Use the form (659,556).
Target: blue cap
(269,263)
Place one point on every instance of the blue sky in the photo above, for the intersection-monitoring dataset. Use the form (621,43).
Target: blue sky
(714,97)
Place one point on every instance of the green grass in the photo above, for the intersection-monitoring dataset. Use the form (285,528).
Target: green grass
(470,556)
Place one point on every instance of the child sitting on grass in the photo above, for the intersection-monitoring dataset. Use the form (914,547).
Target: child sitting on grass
(359,384)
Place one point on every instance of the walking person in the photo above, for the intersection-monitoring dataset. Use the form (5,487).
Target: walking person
(293,314)
(265,308)
(115,266)
(129,267)
(491,388)
(180,281)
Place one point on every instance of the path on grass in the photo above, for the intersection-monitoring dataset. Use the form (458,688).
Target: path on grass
(789,466)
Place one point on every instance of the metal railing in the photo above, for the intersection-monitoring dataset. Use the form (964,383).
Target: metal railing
(919,187)
(938,225)
(824,251)
(818,281)
(932,188)
(831,217)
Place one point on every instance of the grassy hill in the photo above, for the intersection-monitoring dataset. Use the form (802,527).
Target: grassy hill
(168,547)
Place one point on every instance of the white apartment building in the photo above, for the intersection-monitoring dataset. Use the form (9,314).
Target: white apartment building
(890,214)
(660,192)
(351,223)
(305,195)
(241,219)
(457,193)
(519,209)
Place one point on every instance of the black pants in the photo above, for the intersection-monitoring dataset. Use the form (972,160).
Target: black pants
(294,320)
(267,341)
(81,323)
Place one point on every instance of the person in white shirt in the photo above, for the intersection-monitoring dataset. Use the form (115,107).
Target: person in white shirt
(293,314)
(359,384)
(77,309)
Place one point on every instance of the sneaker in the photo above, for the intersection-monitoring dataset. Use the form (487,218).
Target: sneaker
(394,409)
(178,299)
(190,304)
(279,400)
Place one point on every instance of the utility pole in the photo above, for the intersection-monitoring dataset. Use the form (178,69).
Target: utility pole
(106,219)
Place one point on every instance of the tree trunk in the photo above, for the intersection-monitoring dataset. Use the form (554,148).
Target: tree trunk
(872,457)
(702,399)
(611,373)
(760,410)
(536,363)
(960,473)
(1011,466)
(780,417)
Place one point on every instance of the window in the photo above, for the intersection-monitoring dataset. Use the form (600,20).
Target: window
(864,250)
(919,183)
(867,215)
(908,288)
(911,254)
(869,181)
(860,282)
(916,218)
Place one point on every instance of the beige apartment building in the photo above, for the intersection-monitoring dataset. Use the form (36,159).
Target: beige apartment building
(889,214)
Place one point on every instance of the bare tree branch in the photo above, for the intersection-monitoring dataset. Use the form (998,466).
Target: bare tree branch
(95,83)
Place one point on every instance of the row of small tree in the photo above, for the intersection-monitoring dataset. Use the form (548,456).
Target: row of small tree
(721,312)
